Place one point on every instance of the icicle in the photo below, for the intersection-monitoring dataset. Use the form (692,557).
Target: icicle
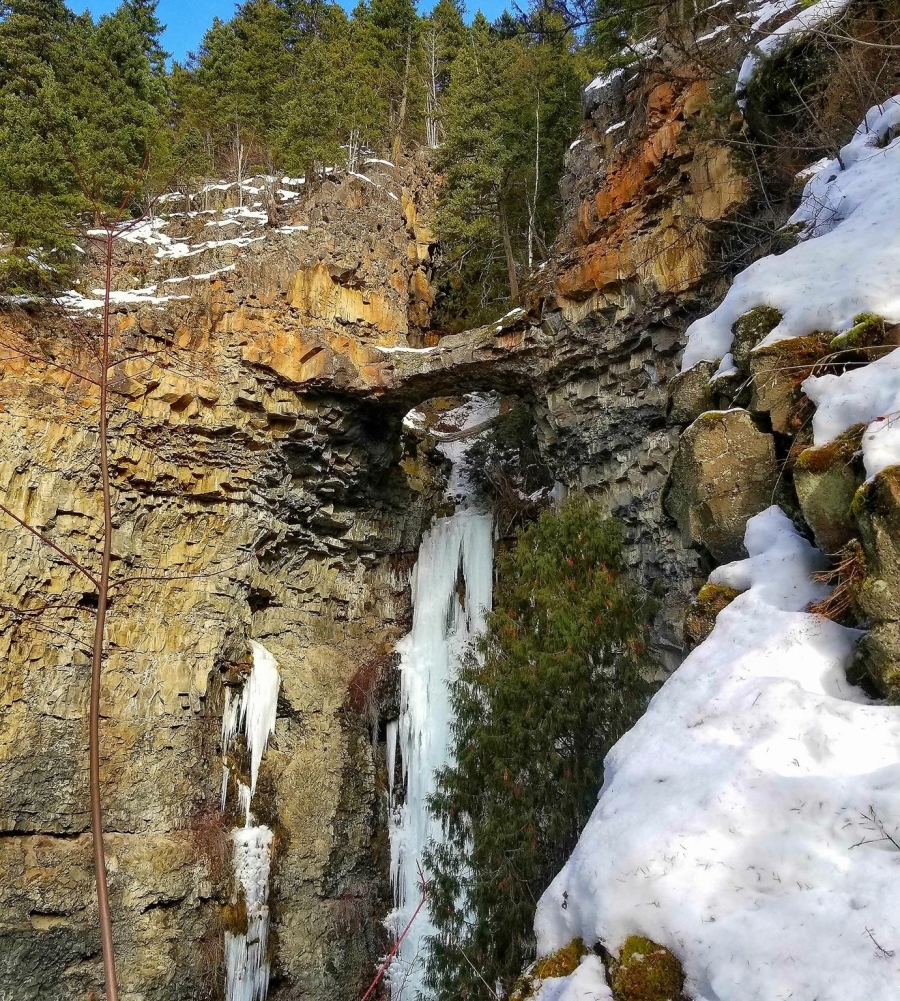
(246,966)
(391,737)
(443,625)
(259,702)
(229,720)
(244,797)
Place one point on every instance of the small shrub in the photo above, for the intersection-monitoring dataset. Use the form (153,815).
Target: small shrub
(847,576)
(506,467)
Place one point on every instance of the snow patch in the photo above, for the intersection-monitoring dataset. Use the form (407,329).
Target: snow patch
(730,823)
(847,261)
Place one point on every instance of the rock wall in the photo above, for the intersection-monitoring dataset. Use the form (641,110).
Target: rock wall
(265,488)
(246,505)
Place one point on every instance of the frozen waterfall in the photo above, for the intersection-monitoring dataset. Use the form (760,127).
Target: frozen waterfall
(246,962)
(451,588)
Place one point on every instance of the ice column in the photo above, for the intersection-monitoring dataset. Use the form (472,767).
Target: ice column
(246,964)
(451,589)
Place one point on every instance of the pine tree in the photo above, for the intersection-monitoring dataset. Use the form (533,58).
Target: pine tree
(387,33)
(510,111)
(35,179)
(558,676)
(311,134)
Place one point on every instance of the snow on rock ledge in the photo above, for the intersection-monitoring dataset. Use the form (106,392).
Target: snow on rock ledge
(729,823)
(846,264)
(848,259)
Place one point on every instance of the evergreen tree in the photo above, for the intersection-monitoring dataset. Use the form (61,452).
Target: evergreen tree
(310,138)
(511,108)
(387,32)
(82,104)
(443,35)
(558,676)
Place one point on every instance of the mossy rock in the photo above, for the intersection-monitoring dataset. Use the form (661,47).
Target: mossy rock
(877,660)
(646,971)
(826,479)
(749,330)
(701,615)
(868,331)
(561,963)
(777,374)
(876,508)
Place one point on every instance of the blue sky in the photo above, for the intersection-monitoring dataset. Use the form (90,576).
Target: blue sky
(187,20)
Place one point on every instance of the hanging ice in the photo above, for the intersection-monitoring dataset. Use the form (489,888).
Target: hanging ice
(246,964)
(451,589)
(255,713)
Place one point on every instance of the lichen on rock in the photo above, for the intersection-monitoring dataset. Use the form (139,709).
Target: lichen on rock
(750,329)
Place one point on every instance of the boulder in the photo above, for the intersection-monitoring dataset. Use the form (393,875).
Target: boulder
(826,480)
(877,511)
(724,473)
(690,394)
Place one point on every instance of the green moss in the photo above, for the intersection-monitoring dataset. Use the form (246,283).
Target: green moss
(867,331)
(562,962)
(750,329)
(558,964)
(646,971)
(701,616)
(824,457)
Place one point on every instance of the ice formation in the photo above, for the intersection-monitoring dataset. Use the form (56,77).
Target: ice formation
(254,715)
(451,588)
(246,965)
(738,823)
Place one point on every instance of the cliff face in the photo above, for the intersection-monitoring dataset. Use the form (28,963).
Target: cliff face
(265,489)
(256,442)
(219,452)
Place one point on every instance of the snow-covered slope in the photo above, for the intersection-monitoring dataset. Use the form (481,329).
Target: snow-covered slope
(846,264)
(738,823)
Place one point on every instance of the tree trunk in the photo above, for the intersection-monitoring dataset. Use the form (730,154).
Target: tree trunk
(401,116)
(508,251)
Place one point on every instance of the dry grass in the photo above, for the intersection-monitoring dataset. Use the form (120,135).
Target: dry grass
(847,576)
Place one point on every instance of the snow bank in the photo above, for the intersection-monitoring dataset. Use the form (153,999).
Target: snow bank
(729,825)
(868,395)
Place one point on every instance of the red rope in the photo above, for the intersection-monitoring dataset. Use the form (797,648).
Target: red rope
(396,946)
